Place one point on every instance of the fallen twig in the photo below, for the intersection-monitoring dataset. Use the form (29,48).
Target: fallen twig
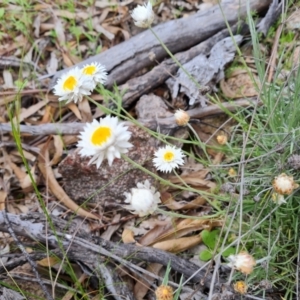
(75,128)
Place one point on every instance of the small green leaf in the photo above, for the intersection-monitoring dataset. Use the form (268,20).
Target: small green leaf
(209,238)
(2,11)
(205,255)
(229,251)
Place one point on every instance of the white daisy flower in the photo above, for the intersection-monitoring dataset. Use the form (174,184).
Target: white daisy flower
(72,86)
(142,200)
(95,71)
(168,158)
(106,139)
(143,15)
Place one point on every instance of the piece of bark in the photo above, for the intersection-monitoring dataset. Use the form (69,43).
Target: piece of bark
(124,60)
(105,186)
(275,10)
(88,249)
(137,86)
(8,294)
(207,72)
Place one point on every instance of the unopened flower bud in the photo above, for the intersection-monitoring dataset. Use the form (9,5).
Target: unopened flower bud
(164,292)
(222,139)
(240,287)
(181,117)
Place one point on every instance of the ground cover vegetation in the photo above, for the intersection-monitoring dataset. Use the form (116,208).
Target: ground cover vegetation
(217,193)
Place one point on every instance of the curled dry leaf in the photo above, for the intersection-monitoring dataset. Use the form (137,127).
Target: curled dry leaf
(59,146)
(168,200)
(56,189)
(25,113)
(85,109)
(73,107)
(23,177)
(107,234)
(128,236)
(179,245)
(48,261)
(176,230)
(3,196)
(194,179)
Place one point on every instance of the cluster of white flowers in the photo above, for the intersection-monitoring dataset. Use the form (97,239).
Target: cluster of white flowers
(108,138)
(77,83)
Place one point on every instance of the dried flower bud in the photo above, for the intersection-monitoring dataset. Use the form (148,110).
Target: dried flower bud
(240,287)
(222,139)
(294,161)
(284,184)
(231,172)
(164,292)
(243,262)
(181,117)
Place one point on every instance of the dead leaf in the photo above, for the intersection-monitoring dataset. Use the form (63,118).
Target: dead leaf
(3,196)
(106,235)
(23,177)
(48,261)
(169,202)
(59,30)
(128,236)
(179,245)
(72,106)
(25,113)
(52,64)
(85,109)
(59,147)
(8,80)
(194,179)
(177,229)
(142,286)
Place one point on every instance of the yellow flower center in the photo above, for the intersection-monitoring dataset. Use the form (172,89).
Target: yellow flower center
(89,70)
(166,291)
(101,135)
(70,83)
(168,156)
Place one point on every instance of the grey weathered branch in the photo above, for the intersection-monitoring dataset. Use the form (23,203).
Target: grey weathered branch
(80,246)
(75,128)
(124,60)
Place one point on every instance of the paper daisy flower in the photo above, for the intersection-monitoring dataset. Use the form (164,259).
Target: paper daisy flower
(243,262)
(143,199)
(181,117)
(143,15)
(168,158)
(72,86)
(106,139)
(284,184)
(164,292)
(240,287)
(96,71)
